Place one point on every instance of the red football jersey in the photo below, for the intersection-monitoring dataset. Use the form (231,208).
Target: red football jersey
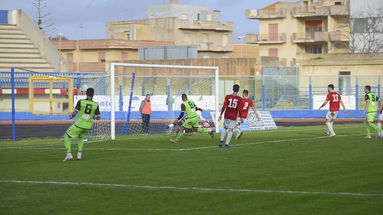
(232,106)
(334,99)
(246,104)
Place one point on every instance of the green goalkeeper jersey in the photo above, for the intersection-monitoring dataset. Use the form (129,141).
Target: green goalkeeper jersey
(373,102)
(189,108)
(87,110)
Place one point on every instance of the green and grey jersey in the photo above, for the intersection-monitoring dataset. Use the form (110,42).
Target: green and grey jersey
(189,108)
(87,110)
(373,102)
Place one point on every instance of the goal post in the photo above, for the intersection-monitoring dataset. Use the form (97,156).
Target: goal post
(214,71)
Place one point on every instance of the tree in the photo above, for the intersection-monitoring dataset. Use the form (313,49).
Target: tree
(366,34)
(58,37)
(43,19)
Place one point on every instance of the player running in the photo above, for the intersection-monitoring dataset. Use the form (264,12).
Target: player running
(231,106)
(190,109)
(246,104)
(335,101)
(88,110)
(370,108)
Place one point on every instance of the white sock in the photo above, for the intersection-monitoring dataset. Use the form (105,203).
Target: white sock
(223,134)
(329,127)
(379,125)
(237,130)
(228,138)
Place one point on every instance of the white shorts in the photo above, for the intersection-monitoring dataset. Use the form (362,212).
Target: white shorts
(380,117)
(228,123)
(331,115)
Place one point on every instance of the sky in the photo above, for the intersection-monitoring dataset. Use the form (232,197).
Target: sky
(86,19)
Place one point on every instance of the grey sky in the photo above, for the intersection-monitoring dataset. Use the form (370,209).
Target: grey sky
(68,15)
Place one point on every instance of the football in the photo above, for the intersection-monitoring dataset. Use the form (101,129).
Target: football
(206,124)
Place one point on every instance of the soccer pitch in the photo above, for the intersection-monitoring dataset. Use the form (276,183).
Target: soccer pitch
(294,170)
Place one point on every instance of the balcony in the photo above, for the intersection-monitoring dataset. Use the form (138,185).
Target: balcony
(265,14)
(337,36)
(301,12)
(311,37)
(265,38)
(206,25)
(339,10)
(211,46)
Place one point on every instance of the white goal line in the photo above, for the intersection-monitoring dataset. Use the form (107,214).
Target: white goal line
(206,189)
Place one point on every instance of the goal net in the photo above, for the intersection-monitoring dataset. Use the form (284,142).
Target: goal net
(130,112)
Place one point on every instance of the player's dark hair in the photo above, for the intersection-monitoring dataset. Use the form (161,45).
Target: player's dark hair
(246,92)
(184,96)
(148,94)
(90,92)
(368,87)
(236,88)
(331,86)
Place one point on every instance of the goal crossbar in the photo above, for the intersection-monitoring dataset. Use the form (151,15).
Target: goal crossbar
(112,93)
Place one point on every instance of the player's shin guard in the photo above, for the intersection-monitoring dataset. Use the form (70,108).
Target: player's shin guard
(179,136)
(228,138)
(202,130)
(80,144)
(329,127)
(67,143)
(379,125)
(223,134)
(368,129)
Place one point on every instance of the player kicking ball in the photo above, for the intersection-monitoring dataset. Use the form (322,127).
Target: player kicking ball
(190,109)
(370,109)
(231,107)
(87,110)
(246,104)
(335,101)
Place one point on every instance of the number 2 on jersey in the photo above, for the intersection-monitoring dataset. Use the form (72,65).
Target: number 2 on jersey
(233,103)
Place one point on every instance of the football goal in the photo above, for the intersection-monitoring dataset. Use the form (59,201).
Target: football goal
(146,98)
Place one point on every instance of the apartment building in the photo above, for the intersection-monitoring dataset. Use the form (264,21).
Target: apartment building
(182,24)
(289,30)
(96,55)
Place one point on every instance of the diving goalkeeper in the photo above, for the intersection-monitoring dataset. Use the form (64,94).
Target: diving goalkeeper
(88,110)
(190,109)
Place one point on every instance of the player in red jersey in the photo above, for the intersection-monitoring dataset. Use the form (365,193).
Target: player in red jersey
(246,104)
(231,107)
(335,101)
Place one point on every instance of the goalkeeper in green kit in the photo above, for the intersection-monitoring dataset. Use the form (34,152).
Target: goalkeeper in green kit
(190,109)
(87,110)
(371,108)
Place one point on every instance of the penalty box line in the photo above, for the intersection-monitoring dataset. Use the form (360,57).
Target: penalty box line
(244,190)
(182,149)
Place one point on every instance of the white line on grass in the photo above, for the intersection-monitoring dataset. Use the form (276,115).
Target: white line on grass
(182,149)
(192,188)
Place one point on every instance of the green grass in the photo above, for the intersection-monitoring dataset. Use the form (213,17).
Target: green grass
(346,163)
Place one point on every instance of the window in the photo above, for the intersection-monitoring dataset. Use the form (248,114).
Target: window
(101,57)
(69,57)
(124,56)
(273,52)
(313,26)
(338,3)
(314,49)
(360,25)
(345,82)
